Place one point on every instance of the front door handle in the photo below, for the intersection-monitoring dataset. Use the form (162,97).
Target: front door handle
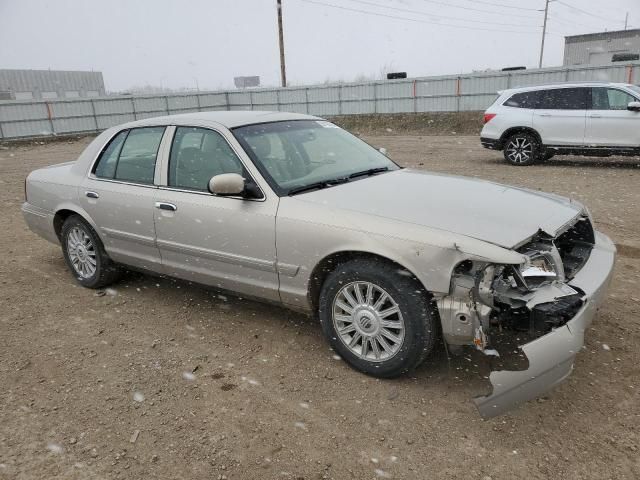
(166,206)
(595,116)
(91,195)
(545,114)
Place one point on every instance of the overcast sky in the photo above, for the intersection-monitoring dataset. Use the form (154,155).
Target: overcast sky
(180,43)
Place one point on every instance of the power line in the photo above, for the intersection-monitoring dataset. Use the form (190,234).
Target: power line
(418,12)
(462,7)
(465,27)
(600,17)
(506,6)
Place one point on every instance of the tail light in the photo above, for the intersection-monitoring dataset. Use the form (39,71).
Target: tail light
(488,117)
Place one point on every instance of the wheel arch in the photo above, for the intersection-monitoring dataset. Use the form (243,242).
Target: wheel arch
(65,211)
(330,262)
(521,129)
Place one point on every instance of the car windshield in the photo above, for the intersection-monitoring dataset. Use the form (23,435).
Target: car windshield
(635,89)
(294,155)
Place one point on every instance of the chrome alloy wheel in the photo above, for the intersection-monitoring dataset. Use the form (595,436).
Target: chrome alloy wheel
(82,252)
(519,150)
(368,321)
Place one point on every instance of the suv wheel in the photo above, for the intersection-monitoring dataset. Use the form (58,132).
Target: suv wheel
(522,149)
(85,256)
(377,317)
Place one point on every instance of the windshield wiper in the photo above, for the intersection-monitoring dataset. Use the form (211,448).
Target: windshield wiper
(368,173)
(317,186)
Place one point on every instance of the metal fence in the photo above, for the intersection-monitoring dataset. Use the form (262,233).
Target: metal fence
(469,92)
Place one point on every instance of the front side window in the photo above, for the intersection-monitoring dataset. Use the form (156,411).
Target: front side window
(564,99)
(301,153)
(610,99)
(131,156)
(197,154)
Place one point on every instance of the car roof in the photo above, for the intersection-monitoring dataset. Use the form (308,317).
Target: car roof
(563,85)
(229,119)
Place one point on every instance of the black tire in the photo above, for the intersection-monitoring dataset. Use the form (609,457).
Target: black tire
(419,316)
(106,271)
(522,149)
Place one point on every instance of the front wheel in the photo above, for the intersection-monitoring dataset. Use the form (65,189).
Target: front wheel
(378,317)
(522,149)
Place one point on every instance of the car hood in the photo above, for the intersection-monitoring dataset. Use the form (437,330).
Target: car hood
(494,213)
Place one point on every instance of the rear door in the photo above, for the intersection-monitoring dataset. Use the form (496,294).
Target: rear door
(609,123)
(560,116)
(119,195)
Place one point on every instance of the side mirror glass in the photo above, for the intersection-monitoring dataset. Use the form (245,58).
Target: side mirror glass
(227,184)
(634,106)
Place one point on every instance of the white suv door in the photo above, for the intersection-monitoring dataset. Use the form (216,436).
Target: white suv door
(560,115)
(609,123)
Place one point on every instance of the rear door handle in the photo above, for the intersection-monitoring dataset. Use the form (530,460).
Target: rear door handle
(91,195)
(595,116)
(545,114)
(166,206)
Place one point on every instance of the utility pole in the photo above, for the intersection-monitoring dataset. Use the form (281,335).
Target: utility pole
(626,20)
(283,71)
(544,31)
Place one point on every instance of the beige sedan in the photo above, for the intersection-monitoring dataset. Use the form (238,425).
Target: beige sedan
(291,209)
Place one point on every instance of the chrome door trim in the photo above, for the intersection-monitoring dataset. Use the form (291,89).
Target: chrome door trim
(207,194)
(251,262)
(143,240)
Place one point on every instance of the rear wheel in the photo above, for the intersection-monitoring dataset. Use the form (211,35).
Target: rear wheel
(522,149)
(378,317)
(85,256)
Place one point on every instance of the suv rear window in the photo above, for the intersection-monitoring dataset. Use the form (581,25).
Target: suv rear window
(523,100)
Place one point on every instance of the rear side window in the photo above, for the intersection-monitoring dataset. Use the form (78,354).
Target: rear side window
(106,167)
(131,155)
(564,99)
(610,99)
(523,100)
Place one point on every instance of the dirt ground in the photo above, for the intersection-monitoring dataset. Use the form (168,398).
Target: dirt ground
(162,379)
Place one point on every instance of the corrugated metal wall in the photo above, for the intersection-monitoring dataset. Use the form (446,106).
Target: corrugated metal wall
(19,119)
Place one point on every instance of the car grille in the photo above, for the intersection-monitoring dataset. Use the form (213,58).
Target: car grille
(575,246)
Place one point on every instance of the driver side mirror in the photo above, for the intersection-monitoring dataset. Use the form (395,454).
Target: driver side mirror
(634,106)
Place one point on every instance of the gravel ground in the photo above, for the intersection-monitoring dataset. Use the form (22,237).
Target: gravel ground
(162,379)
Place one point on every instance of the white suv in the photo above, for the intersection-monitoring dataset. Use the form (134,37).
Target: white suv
(535,123)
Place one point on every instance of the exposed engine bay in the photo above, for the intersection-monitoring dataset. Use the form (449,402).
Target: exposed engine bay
(488,303)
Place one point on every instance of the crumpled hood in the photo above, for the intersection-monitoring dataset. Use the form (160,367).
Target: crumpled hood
(483,210)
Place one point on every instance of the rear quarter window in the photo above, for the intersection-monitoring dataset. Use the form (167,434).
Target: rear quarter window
(523,100)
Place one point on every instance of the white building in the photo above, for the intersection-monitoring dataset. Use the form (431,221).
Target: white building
(600,48)
(49,84)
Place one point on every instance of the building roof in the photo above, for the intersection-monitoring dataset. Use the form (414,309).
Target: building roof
(229,119)
(602,35)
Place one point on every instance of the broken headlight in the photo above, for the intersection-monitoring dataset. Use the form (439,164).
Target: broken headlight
(539,266)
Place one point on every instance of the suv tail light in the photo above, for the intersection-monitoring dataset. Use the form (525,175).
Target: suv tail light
(488,117)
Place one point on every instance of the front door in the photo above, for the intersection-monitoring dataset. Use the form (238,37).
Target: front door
(559,117)
(119,196)
(226,242)
(609,123)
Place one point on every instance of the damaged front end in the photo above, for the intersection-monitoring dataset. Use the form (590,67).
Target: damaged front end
(541,306)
